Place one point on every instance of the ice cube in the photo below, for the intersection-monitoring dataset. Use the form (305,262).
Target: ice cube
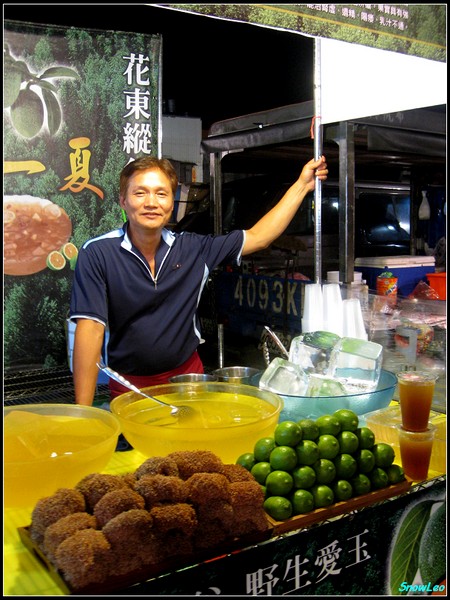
(356,363)
(321,385)
(310,358)
(284,377)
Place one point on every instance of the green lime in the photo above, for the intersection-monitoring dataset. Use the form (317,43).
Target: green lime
(287,433)
(342,490)
(307,452)
(323,495)
(283,458)
(302,502)
(278,507)
(345,465)
(328,424)
(304,477)
(264,489)
(348,419)
(246,460)
(262,449)
(328,446)
(378,478)
(384,455)
(348,442)
(56,261)
(260,470)
(360,484)
(395,474)
(279,483)
(310,430)
(365,460)
(366,437)
(325,470)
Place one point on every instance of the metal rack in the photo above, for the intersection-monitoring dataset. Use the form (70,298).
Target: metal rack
(38,386)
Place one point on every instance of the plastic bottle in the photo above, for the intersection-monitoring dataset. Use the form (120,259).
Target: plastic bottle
(424,208)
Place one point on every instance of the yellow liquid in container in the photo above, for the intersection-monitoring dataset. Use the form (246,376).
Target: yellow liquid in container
(43,453)
(226,424)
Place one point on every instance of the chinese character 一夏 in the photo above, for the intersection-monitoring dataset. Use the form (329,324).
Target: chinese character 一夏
(78,180)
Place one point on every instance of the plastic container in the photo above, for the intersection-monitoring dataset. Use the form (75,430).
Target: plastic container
(409,270)
(303,407)
(51,446)
(227,419)
(438,281)
(383,423)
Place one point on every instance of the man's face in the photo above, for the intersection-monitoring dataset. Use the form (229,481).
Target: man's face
(149,200)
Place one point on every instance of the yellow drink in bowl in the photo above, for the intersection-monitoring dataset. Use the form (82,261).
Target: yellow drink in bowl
(226,423)
(44,452)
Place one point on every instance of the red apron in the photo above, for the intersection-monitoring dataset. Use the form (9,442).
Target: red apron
(192,365)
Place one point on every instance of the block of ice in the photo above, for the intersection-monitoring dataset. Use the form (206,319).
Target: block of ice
(312,350)
(356,364)
(310,358)
(321,385)
(284,377)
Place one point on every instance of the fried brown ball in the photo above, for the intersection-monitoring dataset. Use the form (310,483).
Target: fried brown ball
(161,489)
(63,528)
(115,502)
(235,472)
(210,535)
(247,521)
(132,539)
(179,517)
(96,485)
(50,509)
(196,461)
(246,493)
(83,558)
(218,511)
(206,487)
(157,465)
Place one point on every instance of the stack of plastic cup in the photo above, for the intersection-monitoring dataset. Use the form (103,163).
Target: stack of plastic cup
(416,433)
(353,319)
(312,319)
(333,315)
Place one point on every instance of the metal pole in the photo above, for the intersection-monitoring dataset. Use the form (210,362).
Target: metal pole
(318,148)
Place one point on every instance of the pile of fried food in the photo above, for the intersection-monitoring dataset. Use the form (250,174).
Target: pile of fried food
(173,506)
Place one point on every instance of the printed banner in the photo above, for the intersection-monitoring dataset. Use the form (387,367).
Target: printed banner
(79,104)
(415,29)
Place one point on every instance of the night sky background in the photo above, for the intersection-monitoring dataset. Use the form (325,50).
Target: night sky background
(212,69)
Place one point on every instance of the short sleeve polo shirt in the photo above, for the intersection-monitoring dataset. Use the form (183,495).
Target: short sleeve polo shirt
(152,321)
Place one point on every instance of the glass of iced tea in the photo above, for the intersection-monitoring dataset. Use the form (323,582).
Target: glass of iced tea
(415,451)
(415,390)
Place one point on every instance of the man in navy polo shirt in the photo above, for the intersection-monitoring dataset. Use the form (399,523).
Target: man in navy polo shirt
(143,282)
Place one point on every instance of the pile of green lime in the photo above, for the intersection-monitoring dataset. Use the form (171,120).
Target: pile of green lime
(311,464)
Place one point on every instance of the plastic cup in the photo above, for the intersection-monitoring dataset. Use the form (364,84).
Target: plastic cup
(353,319)
(312,319)
(415,451)
(333,312)
(415,390)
